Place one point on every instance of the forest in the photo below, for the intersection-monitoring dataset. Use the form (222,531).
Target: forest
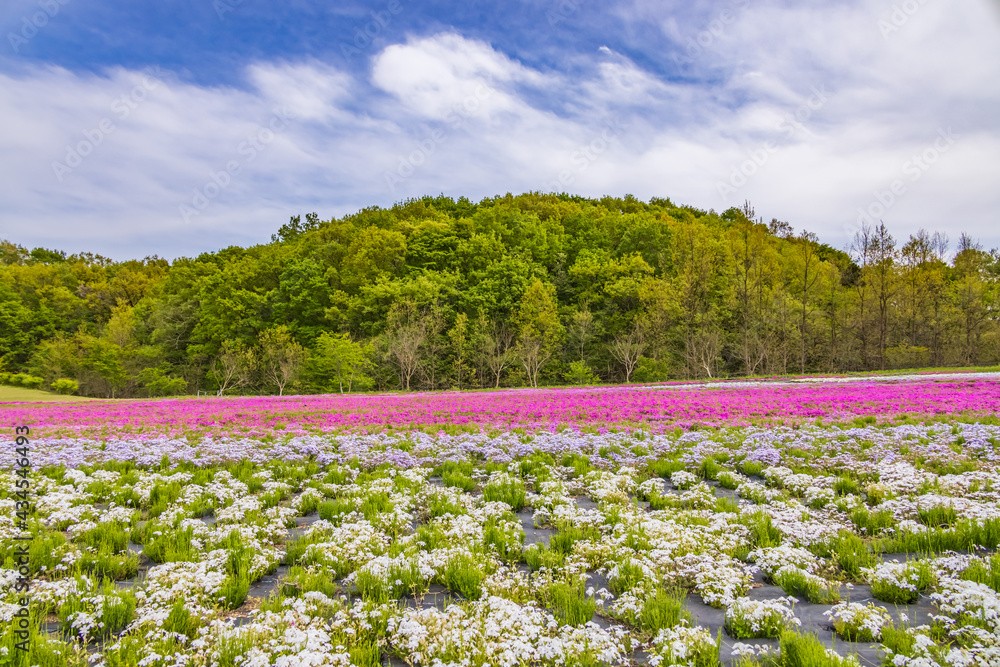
(516,290)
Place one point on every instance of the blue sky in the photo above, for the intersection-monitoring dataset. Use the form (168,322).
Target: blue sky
(177,127)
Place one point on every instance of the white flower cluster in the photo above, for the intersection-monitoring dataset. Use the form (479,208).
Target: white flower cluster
(771,559)
(393,526)
(858,622)
(760,618)
(969,600)
(501,632)
(682,645)
(683,480)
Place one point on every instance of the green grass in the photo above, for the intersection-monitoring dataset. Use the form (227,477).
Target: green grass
(440,504)
(939,515)
(851,554)
(845,486)
(508,546)
(985,573)
(117,610)
(797,584)
(660,502)
(665,609)
(382,591)
(301,580)
(45,550)
(564,540)
(762,529)
(806,650)
(334,510)
(569,603)
(897,639)
(43,651)
(456,478)
(23,395)
(463,575)
(170,546)
(872,523)
(230,649)
(182,621)
(629,576)
(513,493)
(964,535)
(537,557)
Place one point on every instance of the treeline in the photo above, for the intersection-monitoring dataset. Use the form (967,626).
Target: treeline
(435,293)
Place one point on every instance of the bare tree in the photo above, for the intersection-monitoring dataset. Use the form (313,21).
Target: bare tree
(405,340)
(861,252)
(581,330)
(753,274)
(280,357)
(248,366)
(434,344)
(226,367)
(532,354)
(702,349)
(883,260)
(496,346)
(810,274)
(627,348)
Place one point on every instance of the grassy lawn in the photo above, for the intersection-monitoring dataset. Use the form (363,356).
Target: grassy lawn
(8,394)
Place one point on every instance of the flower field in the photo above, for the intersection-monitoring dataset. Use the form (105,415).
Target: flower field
(771,525)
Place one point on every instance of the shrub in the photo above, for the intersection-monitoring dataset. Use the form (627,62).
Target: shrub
(580,373)
(65,386)
(22,380)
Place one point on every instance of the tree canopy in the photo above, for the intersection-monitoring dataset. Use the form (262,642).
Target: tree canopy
(437,293)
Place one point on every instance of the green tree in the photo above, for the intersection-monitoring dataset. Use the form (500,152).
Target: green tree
(101,361)
(539,328)
(338,358)
(301,300)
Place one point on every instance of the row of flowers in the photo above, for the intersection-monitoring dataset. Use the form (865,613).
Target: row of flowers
(552,549)
(658,408)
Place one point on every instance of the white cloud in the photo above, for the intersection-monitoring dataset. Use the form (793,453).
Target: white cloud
(444,113)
